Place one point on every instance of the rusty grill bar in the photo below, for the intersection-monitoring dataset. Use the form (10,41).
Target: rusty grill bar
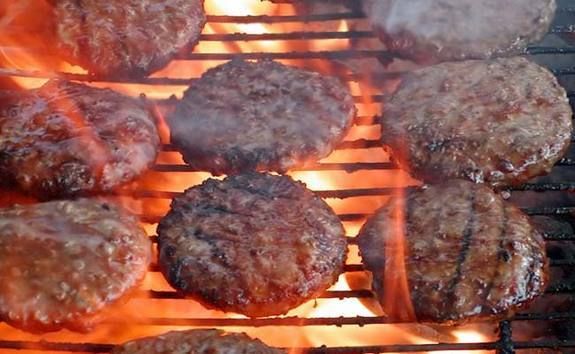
(505,342)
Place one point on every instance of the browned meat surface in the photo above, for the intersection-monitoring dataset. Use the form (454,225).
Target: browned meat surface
(499,122)
(67,139)
(199,341)
(244,116)
(469,255)
(434,31)
(64,263)
(255,244)
(129,38)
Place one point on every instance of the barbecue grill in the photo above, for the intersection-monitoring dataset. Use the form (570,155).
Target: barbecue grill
(355,180)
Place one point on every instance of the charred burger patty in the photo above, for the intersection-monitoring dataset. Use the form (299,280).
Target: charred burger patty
(468,254)
(499,122)
(245,116)
(448,30)
(66,139)
(255,244)
(129,38)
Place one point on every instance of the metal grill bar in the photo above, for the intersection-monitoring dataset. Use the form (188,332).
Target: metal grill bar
(318,35)
(100,348)
(310,321)
(558,211)
(348,268)
(167,81)
(361,144)
(288,36)
(348,167)
(373,192)
(282,19)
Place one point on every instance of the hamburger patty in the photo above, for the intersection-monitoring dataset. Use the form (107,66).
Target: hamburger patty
(468,253)
(199,341)
(67,139)
(129,38)
(499,122)
(244,116)
(435,31)
(255,244)
(65,262)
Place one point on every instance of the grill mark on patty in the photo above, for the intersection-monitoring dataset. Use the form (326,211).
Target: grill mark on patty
(444,259)
(502,255)
(532,270)
(468,234)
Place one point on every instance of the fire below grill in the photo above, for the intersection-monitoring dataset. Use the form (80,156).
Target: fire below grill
(355,180)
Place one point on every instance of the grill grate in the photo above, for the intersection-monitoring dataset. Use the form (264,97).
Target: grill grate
(559,206)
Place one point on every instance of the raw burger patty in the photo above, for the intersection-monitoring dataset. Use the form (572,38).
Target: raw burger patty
(434,31)
(501,121)
(244,116)
(65,262)
(469,255)
(67,139)
(199,341)
(255,244)
(129,38)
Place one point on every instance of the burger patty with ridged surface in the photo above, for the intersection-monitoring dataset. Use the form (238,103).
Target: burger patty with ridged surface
(449,30)
(68,139)
(468,254)
(500,122)
(255,244)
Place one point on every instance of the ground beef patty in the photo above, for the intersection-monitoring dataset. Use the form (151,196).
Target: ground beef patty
(434,31)
(501,121)
(67,139)
(255,244)
(468,253)
(244,116)
(199,341)
(65,262)
(129,38)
